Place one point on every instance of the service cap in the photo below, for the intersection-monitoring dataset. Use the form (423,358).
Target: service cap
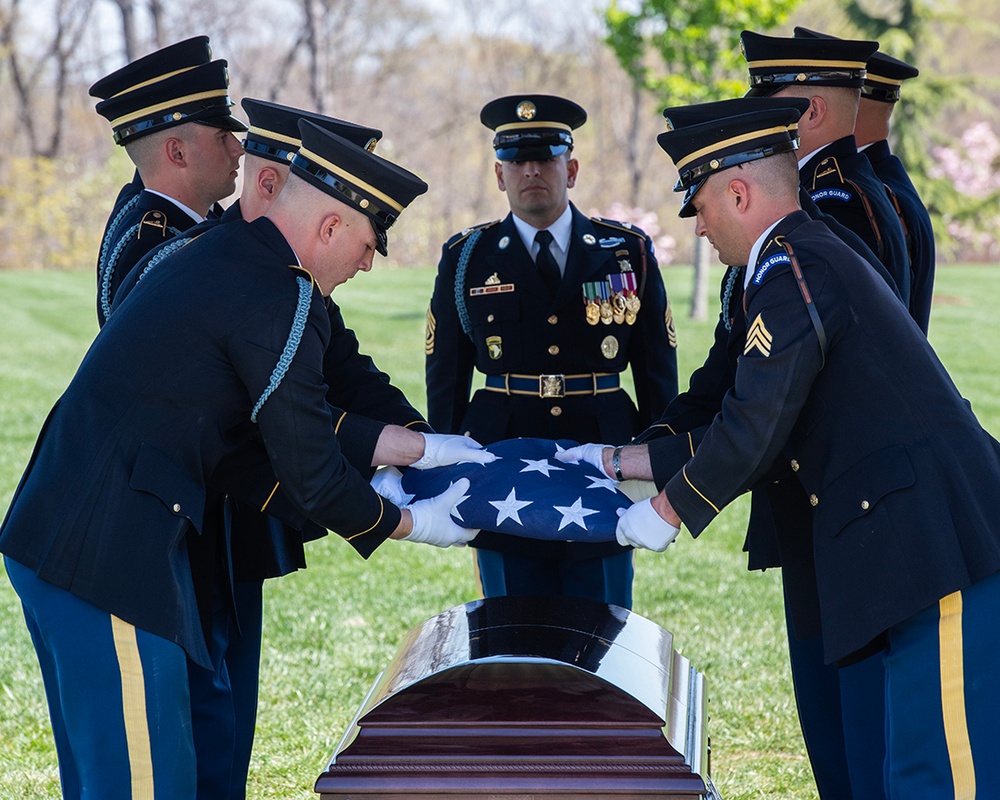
(376,187)
(884,74)
(532,127)
(776,62)
(176,94)
(274,130)
(707,138)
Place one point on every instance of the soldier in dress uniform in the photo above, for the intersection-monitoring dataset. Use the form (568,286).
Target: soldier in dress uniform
(224,699)
(829,73)
(100,540)
(879,96)
(880,92)
(903,550)
(171,112)
(551,307)
(180,55)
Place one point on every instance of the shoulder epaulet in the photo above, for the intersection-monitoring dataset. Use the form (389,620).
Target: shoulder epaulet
(624,227)
(462,235)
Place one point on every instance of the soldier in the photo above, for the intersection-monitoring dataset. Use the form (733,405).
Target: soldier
(829,73)
(884,76)
(101,540)
(224,699)
(902,554)
(879,96)
(551,307)
(170,111)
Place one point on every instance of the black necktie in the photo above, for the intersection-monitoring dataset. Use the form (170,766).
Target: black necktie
(546,262)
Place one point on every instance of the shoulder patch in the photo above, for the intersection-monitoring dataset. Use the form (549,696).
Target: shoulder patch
(464,234)
(831,194)
(765,266)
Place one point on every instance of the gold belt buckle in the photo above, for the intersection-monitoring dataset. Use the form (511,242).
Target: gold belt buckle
(551,386)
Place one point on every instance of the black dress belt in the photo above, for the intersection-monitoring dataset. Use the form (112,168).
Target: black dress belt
(554,386)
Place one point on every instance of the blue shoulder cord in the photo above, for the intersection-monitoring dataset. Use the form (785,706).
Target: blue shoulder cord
(463,265)
(294,339)
(727,295)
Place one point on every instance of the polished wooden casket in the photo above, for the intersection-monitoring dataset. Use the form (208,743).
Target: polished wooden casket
(522,698)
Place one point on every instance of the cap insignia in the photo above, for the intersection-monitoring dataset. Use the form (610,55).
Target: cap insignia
(526,110)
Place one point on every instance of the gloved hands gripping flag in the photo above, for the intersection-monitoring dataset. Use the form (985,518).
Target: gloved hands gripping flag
(525,492)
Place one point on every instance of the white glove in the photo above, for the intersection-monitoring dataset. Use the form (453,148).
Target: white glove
(641,526)
(388,482)
(432,522)
(442,449)
(592,454)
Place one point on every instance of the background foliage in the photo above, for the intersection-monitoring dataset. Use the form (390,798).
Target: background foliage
(421,69)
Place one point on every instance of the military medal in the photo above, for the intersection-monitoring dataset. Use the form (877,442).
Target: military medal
(607,312)
(632,301)
(591,302)
(617,297)
(609,347)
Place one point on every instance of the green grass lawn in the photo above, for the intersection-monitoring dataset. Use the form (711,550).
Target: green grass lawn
(330,629)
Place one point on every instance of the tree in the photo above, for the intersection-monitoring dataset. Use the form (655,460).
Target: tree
(687,51)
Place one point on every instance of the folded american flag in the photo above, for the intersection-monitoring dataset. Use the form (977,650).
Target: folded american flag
(527,492)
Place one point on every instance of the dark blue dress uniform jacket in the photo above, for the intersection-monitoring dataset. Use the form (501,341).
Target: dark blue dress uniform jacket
(539,334)
(900,476)
(916,224)
(843,184)
(528,332)
(125,463)
(141,223)
(362,399)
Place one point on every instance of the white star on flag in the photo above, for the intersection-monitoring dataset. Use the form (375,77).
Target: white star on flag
(541,465)
(603,483)
(510,507)
(454,511)
(574,513)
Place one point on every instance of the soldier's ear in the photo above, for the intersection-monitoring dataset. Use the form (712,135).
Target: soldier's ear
(329,227)
(498,169)
(572,170)
(174,148)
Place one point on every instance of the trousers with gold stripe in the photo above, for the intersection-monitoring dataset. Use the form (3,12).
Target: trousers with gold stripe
(941,689)
(117,696)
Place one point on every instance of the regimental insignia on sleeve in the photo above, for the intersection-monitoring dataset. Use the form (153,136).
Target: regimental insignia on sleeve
(429,335)
(758,338)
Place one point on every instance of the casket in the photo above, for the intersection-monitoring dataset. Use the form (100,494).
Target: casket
(521,698)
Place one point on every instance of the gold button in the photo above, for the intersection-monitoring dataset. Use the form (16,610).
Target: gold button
(813,500)
(177,508)
(795,465)
(489,318)
(553,349)
(864,505)
(555,411)
(553,320)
